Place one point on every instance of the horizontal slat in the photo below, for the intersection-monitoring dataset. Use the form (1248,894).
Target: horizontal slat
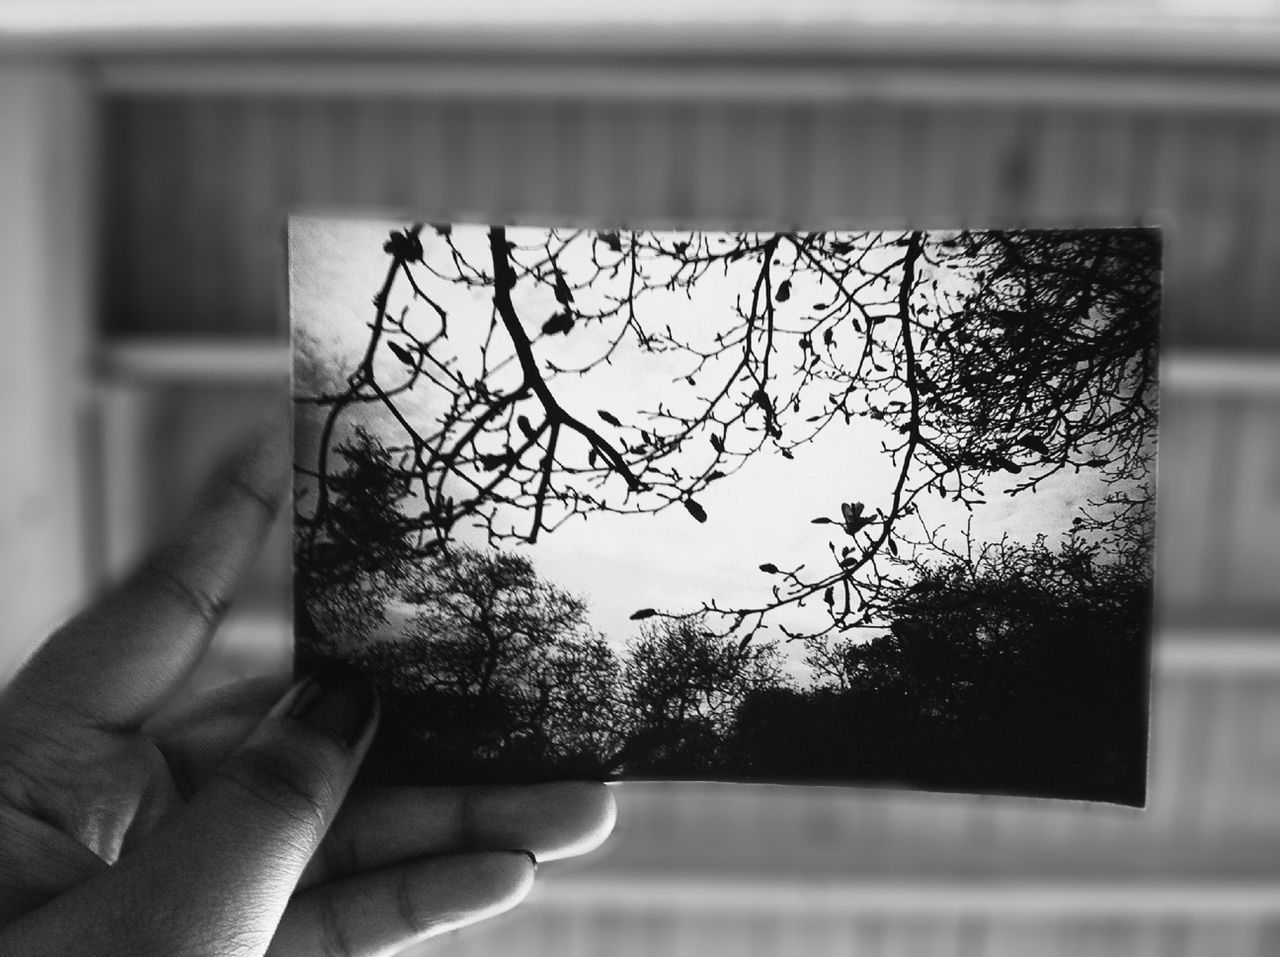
(743,81)
(160,360)
(1176,651)
(1193,374)
(1218,651)
(638,932)
(979,28)
(1007,900)
(144,362)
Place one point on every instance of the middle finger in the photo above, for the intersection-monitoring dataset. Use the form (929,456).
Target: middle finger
(378,827)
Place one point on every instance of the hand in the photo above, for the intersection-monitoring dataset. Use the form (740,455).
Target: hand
(224,831)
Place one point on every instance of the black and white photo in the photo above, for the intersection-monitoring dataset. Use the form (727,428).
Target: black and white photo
(850,507)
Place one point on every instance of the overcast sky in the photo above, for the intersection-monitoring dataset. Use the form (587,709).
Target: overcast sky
(620,563)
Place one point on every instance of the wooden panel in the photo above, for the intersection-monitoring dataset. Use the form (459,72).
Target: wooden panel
(640,933)
(198,186)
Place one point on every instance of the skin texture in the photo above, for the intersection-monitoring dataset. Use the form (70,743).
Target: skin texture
(228,829)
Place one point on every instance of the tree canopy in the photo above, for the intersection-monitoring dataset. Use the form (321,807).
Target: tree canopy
(1023,353)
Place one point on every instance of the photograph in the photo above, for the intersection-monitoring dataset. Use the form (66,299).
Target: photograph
(870,508)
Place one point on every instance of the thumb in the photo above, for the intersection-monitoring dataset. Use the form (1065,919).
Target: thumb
(224,867)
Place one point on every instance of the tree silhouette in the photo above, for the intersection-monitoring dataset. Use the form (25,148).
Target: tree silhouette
(681,687)
(490,362)
(496,672)
(1000,666)
(1015,667)
(356,563)
(498,676)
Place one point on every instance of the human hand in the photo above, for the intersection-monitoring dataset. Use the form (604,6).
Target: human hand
(224,830)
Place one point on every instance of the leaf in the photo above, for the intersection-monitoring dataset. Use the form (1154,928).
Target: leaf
(788,454)
(611,240)
(717,444)
(564,295)
(1034,443)
(1097,463)
(829,596)
(696,510)
(1012,468)
(591,457)
(525,426)
(712,476)
(822,520)
(643,613)
(827,337)
(784,290)
(400,353)
(406,247)
(443,229)
(609,417)
(561,322)
(893,547)
(769,568)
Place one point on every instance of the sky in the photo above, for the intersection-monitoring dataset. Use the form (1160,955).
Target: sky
(620,563)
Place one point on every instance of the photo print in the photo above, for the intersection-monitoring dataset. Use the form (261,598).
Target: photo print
(869,508)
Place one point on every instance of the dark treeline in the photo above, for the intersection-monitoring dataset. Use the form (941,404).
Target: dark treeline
(1021,668)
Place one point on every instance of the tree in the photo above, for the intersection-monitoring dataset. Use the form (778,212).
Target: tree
(349,565)
(1012,667)
(1018,353)
(681,687)
(497,674)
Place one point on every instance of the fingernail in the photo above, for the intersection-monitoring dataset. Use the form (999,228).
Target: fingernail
(339,700)
(529,854)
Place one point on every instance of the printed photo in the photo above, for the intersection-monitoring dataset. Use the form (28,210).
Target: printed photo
(866,508)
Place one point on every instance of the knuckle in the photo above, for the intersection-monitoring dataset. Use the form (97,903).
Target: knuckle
(288,780)
(207,604)
(238,488)
(415,921)
(334,940)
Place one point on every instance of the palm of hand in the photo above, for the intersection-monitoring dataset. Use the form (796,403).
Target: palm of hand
(95,793)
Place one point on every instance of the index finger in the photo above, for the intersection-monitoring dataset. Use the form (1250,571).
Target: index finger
(383,826)
(118,661)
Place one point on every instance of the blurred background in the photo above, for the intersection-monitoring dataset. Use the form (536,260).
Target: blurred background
(150,153)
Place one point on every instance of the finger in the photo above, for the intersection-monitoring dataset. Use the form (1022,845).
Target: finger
(225,865)
(117,662)
(383,911)
(38,862)
(378,827)
(197,739)
(254,825)
(386,825)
